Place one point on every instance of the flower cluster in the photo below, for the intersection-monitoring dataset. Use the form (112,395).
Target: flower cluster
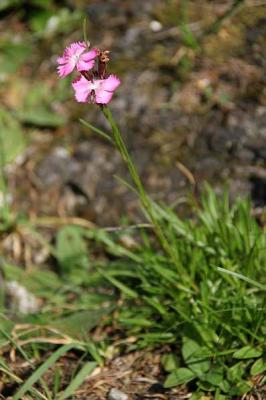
(92,85)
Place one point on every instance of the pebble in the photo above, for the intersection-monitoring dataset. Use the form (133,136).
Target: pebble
(155,26)
(116,394)
(20,299)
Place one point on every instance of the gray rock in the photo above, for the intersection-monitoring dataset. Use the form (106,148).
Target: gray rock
(116,394)
(56,168)
(20,299)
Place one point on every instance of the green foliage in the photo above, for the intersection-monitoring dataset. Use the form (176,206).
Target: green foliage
(247,352)
(83,374)
(170,362)
(54,321)
(195,356)
(71,250)
(36,109)
(11,136)
(211,374)
(79,323)
(258,367)
(13,55)
(179,377)
(48,22)
(45,17)
(215,308)
(41,370)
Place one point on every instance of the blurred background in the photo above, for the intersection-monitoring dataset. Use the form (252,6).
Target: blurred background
(192,104)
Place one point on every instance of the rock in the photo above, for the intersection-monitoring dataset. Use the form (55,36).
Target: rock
(56,168)
(116,394)
(20,299)
(155,26)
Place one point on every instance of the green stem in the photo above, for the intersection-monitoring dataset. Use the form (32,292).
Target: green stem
(144,198)
(4,188)
(214,28)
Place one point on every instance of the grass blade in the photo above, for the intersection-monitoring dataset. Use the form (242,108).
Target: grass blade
(42,369)
(86,370)
(244,278)
(96,130)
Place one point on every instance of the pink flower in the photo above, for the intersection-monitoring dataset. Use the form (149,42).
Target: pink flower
(98,91)
(74,56)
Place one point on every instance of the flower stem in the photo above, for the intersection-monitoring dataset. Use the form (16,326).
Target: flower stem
(144,198)
(4,183)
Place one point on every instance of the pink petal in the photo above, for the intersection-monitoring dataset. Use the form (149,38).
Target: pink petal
(61,60)
(103,97)
(105,91)
(84,65)
(90,55)
(82,89)
(110,83)
(86,60)
(75,49)
(66,69)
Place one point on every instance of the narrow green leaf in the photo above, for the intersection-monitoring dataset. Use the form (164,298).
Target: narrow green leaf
(85,371)
(71,249)
(123,288)
(96,130)
(79,323)
(42,369)
(140,322)
(243,278)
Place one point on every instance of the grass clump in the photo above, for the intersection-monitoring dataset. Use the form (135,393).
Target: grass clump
(215,311)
